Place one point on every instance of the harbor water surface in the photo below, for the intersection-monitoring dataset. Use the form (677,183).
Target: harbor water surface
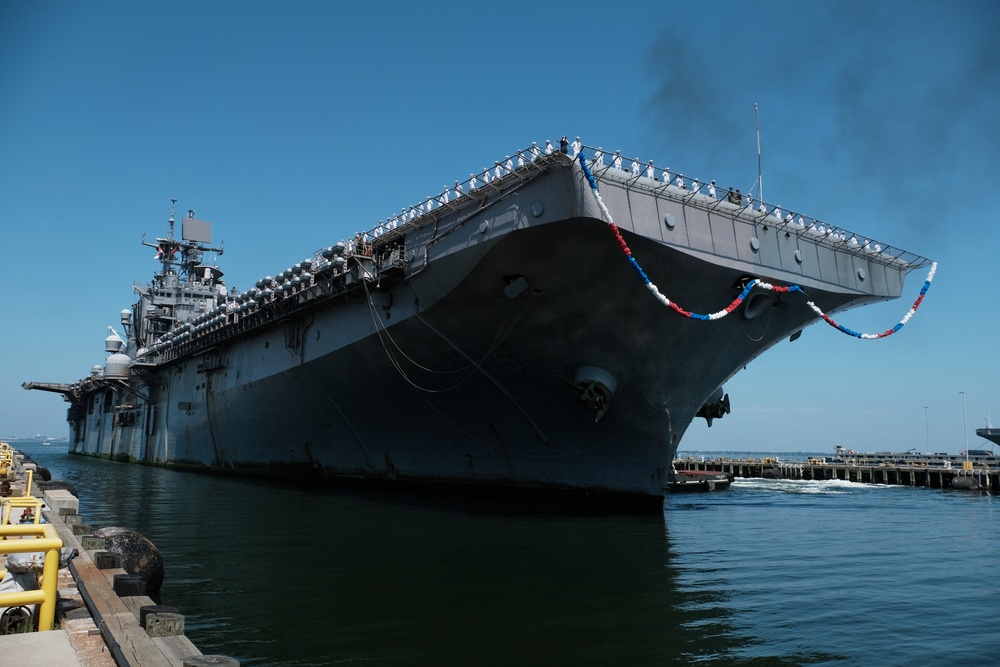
(770,572)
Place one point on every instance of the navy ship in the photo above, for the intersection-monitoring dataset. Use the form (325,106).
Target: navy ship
(990,433)
(505,335)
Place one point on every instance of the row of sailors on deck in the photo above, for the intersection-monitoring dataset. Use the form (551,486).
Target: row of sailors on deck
(532,154)
(650,172)
(487,176)
(733,197)
(500,169)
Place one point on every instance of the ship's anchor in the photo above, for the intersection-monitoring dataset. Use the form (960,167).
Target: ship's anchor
(715,407)
(597,386)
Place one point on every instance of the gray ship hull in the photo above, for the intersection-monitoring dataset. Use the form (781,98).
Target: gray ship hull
(990,433)
(464,368)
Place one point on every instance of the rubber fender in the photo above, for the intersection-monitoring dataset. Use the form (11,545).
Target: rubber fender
(965,483)
(139,555)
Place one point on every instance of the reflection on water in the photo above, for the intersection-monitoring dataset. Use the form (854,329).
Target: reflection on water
(841,573)
(279,575)
(770,572)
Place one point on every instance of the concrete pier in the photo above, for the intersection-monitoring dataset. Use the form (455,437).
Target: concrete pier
(986,480)
(103,617)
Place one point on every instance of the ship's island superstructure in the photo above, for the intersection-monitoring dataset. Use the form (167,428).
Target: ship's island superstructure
(494,337)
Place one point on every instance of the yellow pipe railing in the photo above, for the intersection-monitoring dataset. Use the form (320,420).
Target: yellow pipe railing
(43,537)
(29,502)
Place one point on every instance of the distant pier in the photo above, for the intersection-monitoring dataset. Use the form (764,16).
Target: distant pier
(972,478)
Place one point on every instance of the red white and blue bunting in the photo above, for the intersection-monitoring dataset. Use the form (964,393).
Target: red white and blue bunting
(757,282)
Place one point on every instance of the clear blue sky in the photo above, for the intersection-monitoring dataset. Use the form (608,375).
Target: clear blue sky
(291,126)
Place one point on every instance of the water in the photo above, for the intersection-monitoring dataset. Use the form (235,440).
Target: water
(767,573)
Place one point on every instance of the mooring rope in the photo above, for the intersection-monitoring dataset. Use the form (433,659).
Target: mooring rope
(756,282)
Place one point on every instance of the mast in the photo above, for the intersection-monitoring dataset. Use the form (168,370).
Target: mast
(184,287)
(189,247)
(173,200)
(760,179)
